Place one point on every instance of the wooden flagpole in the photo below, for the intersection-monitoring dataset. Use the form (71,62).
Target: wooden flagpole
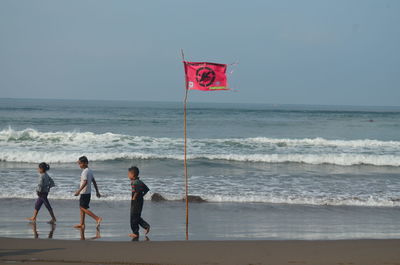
(185,151)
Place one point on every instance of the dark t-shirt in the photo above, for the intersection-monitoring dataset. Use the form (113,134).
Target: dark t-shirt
(139,187)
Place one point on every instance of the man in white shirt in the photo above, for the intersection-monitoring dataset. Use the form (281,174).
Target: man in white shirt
(85,190)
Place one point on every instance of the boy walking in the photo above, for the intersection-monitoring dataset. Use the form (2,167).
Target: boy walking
(84,191)
(139,190)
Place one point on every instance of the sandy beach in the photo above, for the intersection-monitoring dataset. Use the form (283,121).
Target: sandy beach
(362,252)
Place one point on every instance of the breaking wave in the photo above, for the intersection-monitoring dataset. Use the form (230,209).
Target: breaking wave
(30,145)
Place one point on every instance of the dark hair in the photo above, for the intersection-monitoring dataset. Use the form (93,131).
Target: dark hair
(44,166)
(83,159)
(134,170)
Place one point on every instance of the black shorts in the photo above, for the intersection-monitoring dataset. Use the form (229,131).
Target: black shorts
(84,201)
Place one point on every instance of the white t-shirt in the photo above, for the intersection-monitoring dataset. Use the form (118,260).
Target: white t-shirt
(87,174)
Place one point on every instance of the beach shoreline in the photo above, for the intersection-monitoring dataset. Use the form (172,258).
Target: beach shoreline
(43,251)
(208,221)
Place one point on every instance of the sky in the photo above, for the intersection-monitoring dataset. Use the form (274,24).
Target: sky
(342,52)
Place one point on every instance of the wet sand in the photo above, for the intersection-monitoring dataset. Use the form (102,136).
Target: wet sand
(354,252)
(208,221)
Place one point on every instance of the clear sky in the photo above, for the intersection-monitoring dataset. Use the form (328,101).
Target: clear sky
(342,52)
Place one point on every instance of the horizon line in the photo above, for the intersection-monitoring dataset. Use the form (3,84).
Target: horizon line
(204,102)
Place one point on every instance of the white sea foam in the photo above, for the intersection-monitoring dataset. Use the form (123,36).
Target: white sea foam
(315,159)
(304,200)
(334,159)
(367,143)
(30,145)
(32,136)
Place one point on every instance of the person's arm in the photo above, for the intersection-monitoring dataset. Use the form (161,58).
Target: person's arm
(96,188)
(145,189)
(84,184)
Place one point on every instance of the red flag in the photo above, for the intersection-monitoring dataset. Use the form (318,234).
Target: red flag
(205,76)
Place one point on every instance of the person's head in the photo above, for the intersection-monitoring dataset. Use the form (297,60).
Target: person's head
(133,173)
(43,167)
(83,162)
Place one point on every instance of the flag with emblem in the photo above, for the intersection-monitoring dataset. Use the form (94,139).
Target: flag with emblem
(205,76)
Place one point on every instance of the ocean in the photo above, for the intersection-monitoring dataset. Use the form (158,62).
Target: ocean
(239,154)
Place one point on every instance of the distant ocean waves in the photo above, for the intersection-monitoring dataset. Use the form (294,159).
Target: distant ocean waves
(31,146)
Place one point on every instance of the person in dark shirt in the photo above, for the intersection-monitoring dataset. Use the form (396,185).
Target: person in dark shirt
(139,190)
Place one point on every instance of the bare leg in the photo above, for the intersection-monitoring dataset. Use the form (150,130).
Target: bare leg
(95,217)
(82,223)
(33,218)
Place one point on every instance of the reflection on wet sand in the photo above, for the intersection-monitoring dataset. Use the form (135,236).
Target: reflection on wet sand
(36,233)
(83,237)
